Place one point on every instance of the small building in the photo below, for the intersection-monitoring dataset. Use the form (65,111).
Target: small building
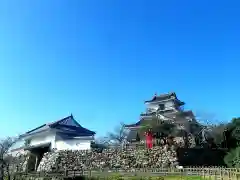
(64,134)
(166,107)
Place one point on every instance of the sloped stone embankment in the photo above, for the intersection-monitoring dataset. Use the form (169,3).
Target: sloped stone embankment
(164,156)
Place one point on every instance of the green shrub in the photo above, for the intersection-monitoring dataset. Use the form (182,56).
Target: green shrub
(232,159)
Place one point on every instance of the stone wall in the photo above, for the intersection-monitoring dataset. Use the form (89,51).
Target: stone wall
(164,156)
(18,163)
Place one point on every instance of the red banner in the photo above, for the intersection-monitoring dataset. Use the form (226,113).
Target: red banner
(149,139)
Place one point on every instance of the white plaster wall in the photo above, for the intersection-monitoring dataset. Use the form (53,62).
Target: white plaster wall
(169,105)
(18,144)
(155,106)
(17,148)
(47,137)
(152,106)
(17,152)
(73,144)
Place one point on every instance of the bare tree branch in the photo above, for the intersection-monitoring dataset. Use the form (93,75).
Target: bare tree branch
(212,130)
(119,135)
(5,145)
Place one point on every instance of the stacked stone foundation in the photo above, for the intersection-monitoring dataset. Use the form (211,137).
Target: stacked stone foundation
(124,159)
(157,157)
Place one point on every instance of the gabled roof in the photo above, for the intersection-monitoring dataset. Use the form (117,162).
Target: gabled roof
(162,97)
(80,131)
(67,124)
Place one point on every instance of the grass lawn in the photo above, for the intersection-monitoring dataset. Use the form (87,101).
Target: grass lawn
(183,178)
(196,178)
(163,178)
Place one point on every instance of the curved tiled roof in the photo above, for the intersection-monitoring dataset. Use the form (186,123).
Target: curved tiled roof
(68,124)
(162,97)
(133,125)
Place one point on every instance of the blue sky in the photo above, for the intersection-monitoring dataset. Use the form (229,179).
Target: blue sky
(100,60)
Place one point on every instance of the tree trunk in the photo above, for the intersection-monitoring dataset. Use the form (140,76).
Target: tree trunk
(1,170)
(8,172)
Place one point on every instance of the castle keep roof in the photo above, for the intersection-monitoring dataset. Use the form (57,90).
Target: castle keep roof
(163,97)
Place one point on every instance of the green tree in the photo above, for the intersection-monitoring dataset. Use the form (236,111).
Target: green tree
(226,135)
(232,142)
(232,133)
(159,127)
(218,134)
(235,126)
(232,159)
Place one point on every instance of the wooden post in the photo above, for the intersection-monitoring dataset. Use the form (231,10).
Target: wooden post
(220,173)
(36,162)
(209,173)
(204,173)
(215,175)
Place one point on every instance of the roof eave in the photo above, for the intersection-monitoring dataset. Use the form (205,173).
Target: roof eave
(34,134)
(157,101)
(146,102)
(133,127)
(91,133)
(36,128)
(42,145)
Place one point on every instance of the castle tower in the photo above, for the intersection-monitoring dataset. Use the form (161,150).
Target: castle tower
(167,107)
(162,105)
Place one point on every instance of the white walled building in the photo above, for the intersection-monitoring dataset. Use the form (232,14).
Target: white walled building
(64,134)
